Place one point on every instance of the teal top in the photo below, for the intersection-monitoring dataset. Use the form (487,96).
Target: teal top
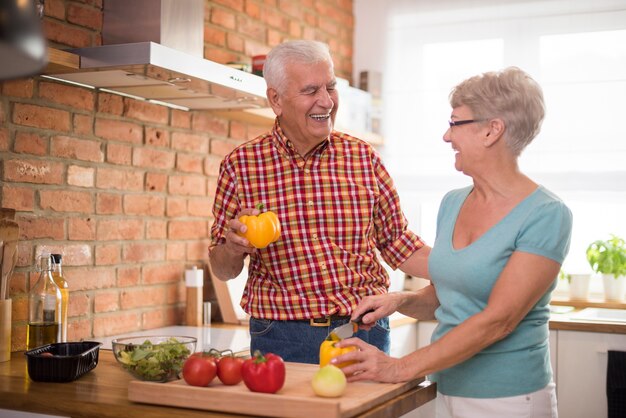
(520,363)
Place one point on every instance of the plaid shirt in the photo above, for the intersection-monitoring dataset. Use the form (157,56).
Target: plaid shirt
(337,207)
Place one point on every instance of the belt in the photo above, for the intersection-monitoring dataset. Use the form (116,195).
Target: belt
(325,321)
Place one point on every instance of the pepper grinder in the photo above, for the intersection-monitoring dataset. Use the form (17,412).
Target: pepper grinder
(194,280)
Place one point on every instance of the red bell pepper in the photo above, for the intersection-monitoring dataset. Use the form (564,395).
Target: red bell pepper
(264,373)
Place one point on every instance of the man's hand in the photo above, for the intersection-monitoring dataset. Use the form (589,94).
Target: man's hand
(227,259)
(236,244)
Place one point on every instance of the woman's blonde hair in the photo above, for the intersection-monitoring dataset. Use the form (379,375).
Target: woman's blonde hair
(510,95)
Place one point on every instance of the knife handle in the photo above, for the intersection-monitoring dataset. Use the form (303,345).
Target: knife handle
(359,319)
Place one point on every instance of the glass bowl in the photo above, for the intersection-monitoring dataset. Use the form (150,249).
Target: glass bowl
(153,358)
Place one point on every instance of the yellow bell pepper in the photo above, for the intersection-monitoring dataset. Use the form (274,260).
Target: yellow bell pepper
(328,351)
(263,229)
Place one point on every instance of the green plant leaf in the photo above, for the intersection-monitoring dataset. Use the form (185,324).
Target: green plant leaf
(608,257)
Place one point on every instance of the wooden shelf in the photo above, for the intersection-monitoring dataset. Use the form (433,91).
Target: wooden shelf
(60,61)
(259,117)
(566,324)
(591,302)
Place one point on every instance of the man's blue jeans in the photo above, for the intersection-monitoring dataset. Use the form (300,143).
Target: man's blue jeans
(298,341)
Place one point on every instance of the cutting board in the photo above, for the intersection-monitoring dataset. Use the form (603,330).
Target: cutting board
(295,400)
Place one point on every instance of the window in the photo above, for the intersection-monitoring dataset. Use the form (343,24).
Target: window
(575,49)
(584,80)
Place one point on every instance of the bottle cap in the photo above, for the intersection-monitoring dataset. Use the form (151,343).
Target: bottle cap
(44,262)
(194,277)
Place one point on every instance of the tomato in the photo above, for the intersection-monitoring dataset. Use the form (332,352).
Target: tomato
(199,369)
(263,229)
(229,370)
(264,373)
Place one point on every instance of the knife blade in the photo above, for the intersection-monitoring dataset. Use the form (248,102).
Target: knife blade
(343,331)
(347,330)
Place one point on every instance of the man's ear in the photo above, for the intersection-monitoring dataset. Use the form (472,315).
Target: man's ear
(274,99)
(495,132)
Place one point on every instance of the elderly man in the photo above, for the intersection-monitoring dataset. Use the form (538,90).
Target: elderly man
(337,207)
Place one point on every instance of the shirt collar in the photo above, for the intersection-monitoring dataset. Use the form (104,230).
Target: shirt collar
(284,144)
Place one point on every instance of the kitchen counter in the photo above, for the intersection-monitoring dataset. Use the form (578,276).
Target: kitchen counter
(566,322)
(594,301)
(565,315)
(103,392)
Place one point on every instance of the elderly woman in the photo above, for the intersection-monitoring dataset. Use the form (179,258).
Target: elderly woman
(499,247)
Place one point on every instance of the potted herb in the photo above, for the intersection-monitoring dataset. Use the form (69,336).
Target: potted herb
(609,259)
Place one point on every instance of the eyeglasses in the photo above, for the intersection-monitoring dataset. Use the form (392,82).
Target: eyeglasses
(463,122)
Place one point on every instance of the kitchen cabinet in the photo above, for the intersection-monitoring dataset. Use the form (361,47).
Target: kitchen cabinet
(423,331)
(581,363)
(403,337)
(553,353)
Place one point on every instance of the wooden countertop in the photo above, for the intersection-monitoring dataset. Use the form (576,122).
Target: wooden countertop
(103,392)
(591,302)
(564,323)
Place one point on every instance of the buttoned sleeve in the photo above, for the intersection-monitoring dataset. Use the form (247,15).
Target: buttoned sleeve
(226,204)
(393,238)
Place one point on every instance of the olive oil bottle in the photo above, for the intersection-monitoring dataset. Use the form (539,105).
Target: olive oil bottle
(57,275)
(44,308)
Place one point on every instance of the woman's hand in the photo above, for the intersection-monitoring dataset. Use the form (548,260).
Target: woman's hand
(371,363)
(376,307)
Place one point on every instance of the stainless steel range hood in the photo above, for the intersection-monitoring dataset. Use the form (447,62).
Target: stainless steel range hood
(145,58)
(154,72)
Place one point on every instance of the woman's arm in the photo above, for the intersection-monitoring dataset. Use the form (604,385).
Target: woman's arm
(420,304)
(417,263)
(521,284)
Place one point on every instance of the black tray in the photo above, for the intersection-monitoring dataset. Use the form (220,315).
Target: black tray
(68,362)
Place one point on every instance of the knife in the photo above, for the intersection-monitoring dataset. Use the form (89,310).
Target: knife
(347,330)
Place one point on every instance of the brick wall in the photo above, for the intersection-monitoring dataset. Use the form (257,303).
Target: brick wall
(124,188)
